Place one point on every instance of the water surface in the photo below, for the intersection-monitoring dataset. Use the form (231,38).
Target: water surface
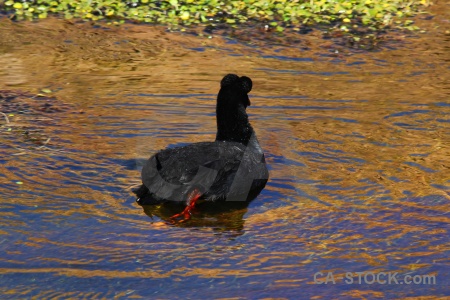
(357,145)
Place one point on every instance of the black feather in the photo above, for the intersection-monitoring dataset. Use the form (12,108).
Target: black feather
(231,168)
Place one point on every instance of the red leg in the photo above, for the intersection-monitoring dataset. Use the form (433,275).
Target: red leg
(186,213)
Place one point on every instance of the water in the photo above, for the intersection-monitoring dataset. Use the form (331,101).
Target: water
(357,145)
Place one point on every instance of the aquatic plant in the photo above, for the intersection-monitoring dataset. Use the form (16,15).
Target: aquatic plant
(277,14)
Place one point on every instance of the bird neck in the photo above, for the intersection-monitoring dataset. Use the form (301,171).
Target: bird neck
(233,125)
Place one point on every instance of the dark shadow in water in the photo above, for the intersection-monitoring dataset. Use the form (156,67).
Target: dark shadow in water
(221,216)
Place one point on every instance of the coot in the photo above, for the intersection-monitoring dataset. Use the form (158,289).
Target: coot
(232,168)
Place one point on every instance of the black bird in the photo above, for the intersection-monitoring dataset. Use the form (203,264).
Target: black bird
(232,168)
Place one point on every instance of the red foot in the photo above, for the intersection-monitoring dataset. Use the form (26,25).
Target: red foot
(186,213)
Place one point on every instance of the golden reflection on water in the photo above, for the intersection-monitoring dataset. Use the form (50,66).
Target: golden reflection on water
(358,146)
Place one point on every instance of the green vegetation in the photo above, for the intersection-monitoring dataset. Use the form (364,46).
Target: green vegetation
(278,14)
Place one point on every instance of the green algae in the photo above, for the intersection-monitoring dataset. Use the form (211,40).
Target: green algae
(274,14)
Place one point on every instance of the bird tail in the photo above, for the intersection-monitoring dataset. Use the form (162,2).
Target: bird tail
(140,192)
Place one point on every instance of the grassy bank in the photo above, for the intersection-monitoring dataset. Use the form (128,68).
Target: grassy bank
(275,14)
